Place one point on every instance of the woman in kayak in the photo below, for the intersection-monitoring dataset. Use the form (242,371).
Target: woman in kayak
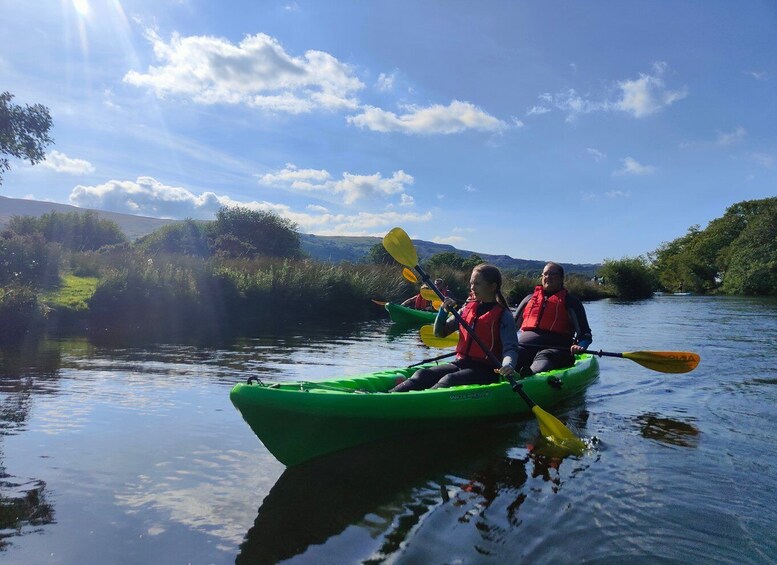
(488,314)
(418,302)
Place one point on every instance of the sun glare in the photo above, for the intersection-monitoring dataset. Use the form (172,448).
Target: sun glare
(81,6)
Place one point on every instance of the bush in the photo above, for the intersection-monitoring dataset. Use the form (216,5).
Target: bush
(183,238)
(28,260)
(20,313)
(630,278)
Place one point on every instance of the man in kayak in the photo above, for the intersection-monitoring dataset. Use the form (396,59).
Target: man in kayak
(553,325)
(489,316)
(440,284)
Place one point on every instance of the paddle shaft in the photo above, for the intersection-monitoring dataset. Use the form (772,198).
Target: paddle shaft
(432,359)
(516,386)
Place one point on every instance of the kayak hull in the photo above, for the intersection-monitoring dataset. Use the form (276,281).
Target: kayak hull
(298,421)
(404,315)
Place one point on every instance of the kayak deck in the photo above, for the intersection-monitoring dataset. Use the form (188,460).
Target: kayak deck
(297,421)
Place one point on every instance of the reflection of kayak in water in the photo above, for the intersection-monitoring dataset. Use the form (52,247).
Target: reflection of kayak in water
(681,293)
(297,421)
(368,488)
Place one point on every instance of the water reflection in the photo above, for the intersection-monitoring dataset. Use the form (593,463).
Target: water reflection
(24,504)
(388,488)
(667,430)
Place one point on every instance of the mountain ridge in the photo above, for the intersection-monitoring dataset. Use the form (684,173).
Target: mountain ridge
(323,248)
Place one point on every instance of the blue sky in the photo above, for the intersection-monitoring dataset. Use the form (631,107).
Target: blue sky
(567,131)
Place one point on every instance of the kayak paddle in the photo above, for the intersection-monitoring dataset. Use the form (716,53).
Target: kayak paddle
(379,302)
(410,275)
(431,340)
(432,359)
(401,248)
(661,361)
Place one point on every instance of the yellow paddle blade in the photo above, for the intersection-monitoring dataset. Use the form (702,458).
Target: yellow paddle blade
(399,246)
(665,361)
(436,304)
(431,340)
(429,294)
(557,433)
(409,275)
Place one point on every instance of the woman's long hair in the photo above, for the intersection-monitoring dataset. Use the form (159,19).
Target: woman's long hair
(491,275)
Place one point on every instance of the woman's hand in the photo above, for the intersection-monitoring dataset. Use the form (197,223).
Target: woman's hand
(577,349)
(506,371)
(450,304)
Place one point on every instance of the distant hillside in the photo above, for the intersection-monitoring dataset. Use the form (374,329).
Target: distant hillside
(322,248)
(132,226)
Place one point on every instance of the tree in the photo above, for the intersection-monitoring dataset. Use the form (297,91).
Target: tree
(629,277)
(737,248)
(260,232)
(453,261)
(752,267)
(377,255)
(24,132)
(75,231)
(184,238)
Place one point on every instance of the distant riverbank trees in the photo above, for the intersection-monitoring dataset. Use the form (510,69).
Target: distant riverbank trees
(241,272)
(245,270)
(734,254)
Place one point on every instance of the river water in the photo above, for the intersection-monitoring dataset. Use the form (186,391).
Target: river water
(136,455)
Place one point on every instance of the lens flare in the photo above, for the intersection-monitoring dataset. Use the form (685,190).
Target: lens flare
(81,6)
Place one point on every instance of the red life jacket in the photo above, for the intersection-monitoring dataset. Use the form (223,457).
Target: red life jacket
(547,313)
(487,329)
(421,303)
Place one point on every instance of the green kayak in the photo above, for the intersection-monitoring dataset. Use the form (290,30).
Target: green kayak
(404,315)
(297,421)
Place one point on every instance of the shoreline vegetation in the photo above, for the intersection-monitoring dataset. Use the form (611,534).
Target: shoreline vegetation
(75,273)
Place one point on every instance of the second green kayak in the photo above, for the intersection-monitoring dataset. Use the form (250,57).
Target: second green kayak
(404,315)
(297,421)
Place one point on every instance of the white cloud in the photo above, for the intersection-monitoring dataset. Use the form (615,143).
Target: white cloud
(596,154)
(449,240)
(147,196)
(632,168)
(386,82)
(763,159)
(469,188)
(537,110)
(638,97)
(61,163)
(436,119)
(257,72)
(648,93)
(757,75)
(406,200)
(729,138)
(610,194)
(352,187)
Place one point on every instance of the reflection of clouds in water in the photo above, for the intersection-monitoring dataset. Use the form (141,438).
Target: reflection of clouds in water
(183,491)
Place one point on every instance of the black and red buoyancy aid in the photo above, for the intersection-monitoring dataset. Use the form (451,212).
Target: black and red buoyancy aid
(487,329)
(547,313)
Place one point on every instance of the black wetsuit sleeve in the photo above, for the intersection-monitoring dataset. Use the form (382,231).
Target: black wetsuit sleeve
(579,319)
(518,316)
